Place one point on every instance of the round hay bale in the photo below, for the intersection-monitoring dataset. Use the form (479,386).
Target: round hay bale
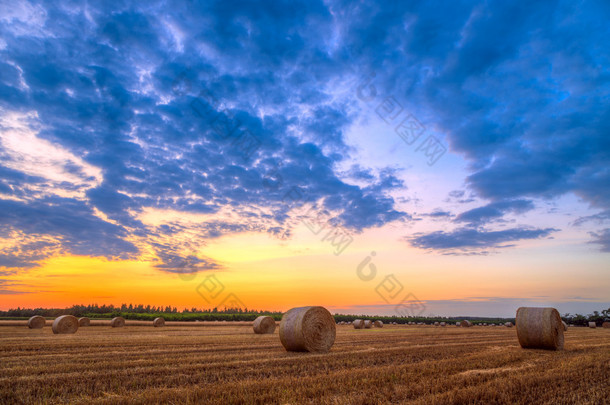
(264,325)
(358,324)
(368,324)
(508,324)
(84,321)
(378,324)
(539,328)
(117,322)
(36,322)
(565,326)
(606,325)
(443,324)
(436,323)
(159,322)
(65,324)
(308,329)
(465,324)
(592,325)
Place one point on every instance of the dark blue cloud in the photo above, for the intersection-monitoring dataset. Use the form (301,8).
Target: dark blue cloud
(470,239)
(185,115)
(519,89)
(494,211)
(71,222)
(602,238)
(201,106)
(438,213)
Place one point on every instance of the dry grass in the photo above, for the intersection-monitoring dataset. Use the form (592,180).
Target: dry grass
(230,364)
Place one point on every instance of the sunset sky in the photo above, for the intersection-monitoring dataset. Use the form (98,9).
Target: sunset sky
(422,158)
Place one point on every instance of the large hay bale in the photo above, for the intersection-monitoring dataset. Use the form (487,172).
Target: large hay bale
(606,325)
(368,324)
(117,322)
(263,325)
(378,324)
(36,322)
(465,324)
(308,329)
(592,325)
(358,324)
(159,322)
(84,322)
(65,324)
(539,328)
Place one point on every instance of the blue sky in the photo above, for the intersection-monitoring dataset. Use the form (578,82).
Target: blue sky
(460,129)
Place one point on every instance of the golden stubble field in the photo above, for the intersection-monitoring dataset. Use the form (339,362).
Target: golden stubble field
(229,364)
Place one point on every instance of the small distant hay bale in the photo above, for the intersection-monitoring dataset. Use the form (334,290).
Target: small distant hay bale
(592,325)
(565,326)
(84,321)
(159,322)
(264,325)
(436,323)
(539,328)
(508,324)
(484,324)
(308,329)
(606,325)
(65,324)
(465,324)
(378,324)
(443,324)
(117,322)
(36,322)
(368,324)
(358,324)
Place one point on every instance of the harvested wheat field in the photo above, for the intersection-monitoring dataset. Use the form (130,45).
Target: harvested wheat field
(230,364)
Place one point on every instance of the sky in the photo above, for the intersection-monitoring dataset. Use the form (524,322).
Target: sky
(418,158)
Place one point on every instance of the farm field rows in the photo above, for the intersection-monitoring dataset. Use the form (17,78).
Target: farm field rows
(230,364)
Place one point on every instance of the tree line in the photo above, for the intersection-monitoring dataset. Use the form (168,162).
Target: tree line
(100,310)
(148,312)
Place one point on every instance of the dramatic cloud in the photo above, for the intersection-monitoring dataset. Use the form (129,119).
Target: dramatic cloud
(466,239)
(108,112)
(602,238)
(235,113)
(493,211)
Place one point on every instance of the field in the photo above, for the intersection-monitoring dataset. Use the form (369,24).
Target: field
(224,363)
